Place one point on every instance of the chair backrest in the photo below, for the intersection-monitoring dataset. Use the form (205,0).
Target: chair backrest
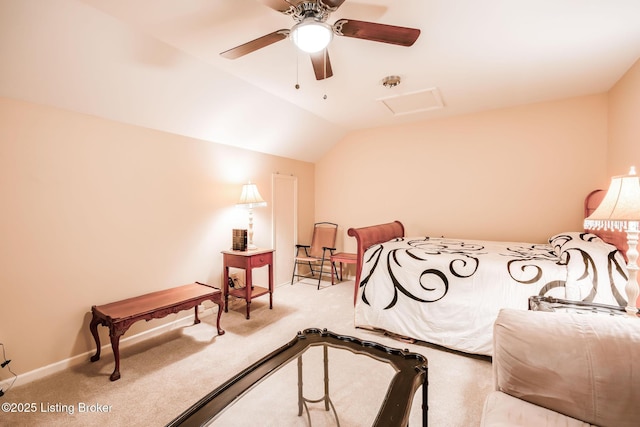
(324,236)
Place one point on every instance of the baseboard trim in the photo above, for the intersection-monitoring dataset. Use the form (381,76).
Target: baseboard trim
(60,366)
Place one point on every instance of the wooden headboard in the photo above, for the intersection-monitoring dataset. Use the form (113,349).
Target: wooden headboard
(369,236)
(616,238)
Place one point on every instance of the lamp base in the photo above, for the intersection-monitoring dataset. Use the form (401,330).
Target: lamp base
(632,290)
(632,254)
(250,245)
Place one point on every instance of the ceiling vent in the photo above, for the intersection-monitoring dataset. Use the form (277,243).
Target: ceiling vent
(414,102)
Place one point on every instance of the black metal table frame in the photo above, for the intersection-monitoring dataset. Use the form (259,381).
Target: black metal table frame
(540,303)
(411,373)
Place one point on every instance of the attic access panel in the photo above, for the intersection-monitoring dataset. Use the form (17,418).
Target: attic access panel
(414,102)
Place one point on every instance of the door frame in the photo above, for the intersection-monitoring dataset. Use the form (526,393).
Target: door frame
(279,252)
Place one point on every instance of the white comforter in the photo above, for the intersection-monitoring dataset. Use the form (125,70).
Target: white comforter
(448,292)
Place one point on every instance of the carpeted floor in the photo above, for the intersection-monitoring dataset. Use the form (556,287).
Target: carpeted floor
(163,376)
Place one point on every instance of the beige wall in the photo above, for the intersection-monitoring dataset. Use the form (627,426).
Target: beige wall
(624,124)
(94,211)
(514,174)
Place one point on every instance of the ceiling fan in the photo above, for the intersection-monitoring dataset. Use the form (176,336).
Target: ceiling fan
(312,34)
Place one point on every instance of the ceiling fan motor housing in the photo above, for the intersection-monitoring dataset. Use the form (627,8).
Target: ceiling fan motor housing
(310,9)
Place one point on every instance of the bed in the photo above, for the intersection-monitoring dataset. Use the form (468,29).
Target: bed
(448,292)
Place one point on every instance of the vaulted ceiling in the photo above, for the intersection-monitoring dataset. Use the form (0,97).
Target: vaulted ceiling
(157,63)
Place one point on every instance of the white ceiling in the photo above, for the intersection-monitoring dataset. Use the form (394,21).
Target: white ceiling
(156,63)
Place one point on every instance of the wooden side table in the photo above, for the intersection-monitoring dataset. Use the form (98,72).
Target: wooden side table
(247,260)
(345,258)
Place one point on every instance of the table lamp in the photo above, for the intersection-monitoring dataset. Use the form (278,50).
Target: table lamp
(620,211)
(250,198)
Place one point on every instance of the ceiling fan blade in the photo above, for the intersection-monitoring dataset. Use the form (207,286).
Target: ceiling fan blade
(402,36)
(321,64)
(256,44)
(333,4)
(281,5)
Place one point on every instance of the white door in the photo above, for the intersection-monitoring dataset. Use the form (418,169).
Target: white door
(285,225)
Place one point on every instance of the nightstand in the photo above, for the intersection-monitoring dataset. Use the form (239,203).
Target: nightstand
(345,258)
(247,260)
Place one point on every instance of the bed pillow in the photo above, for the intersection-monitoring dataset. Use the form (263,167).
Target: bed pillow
(572,240)
(591,261)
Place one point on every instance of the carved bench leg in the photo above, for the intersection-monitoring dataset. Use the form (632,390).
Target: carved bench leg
(115,345)
(197,320)
(93,326)
(220,307)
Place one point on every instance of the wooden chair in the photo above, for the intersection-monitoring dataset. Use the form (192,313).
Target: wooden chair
(317,253)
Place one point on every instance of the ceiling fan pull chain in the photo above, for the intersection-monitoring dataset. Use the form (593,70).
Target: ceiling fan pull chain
(297,86)
(325,68)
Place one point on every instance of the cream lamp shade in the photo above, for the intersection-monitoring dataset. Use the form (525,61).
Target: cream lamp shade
(251,198)
(620,211)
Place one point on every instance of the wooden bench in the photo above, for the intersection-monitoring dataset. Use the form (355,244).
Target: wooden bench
(119,316)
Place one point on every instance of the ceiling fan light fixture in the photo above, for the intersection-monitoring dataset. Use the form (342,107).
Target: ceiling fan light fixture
(311,35)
